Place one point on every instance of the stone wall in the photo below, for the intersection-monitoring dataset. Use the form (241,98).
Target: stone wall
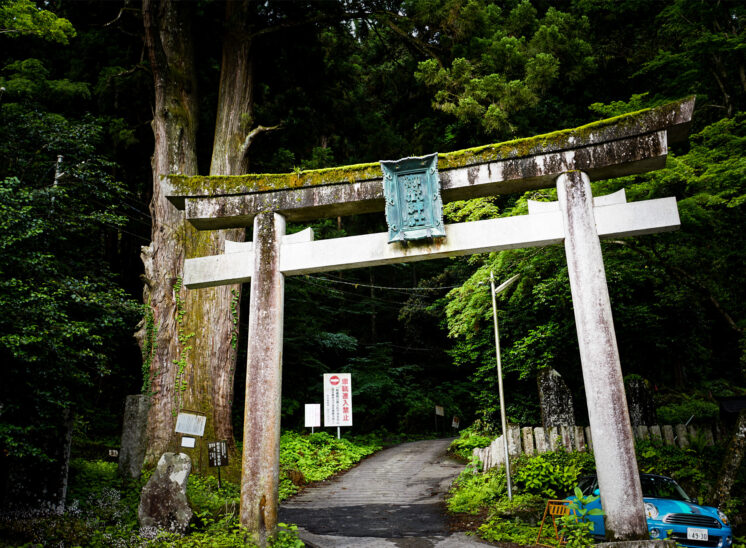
(534,440)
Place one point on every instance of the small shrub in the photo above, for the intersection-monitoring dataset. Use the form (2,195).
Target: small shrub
(496,529)
(551,475)
(469,439)
(473,491)
(524,506)
(681,412)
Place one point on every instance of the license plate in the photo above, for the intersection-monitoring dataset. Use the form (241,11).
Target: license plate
(693,533)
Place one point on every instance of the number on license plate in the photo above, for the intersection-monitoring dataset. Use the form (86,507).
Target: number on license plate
(693,533)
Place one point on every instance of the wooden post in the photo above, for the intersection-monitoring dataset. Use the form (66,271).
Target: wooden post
(261,442)
(613,442)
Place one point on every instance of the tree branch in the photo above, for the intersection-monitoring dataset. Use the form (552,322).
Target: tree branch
(253,134)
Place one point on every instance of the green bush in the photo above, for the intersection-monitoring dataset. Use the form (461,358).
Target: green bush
(681,412)
(317,457)
(551,475)
(469,439)
(473,491)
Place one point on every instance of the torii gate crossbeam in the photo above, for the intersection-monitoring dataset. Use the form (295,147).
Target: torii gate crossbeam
(569,159)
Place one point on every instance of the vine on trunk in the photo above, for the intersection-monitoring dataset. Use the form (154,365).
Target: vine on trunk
(183,348)
(149,345)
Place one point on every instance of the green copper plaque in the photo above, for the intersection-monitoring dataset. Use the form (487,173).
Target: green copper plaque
(414,209)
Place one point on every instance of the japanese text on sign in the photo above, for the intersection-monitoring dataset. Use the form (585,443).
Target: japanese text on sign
(217,453)
(337,399)
(313,415)
(194,425)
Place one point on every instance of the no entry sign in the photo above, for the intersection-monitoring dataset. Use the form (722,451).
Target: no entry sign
(337,399)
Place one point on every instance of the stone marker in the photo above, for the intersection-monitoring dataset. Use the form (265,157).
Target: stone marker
(655,432)
(134,439)
(514,441)
(554,439)
(540,437)
(555,399)
(579,439)
(566,435)
(588,437)
(682,439)
(527,434)
(668,434)
(163,502)
(642,432)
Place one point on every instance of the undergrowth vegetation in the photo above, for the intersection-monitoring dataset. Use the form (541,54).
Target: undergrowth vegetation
(102,507)
(554,475)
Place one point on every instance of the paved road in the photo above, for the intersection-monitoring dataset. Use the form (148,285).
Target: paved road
(394,498)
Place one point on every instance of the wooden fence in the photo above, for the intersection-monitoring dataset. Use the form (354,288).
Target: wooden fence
(533,440)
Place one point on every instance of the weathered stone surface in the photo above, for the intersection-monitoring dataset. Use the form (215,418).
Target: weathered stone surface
(134,440)
(261,450)
(640,401)
(554,438)
(542,227)
(668,436)
(163,502)
(514,440)
(580,444)
(527,435)
(566,435)
(614,449)
(625,145)
(682,437)
(655,432)
(540,438)
(555,399)
(588,438)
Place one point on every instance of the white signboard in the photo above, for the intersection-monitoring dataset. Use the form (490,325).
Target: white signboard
(187,442)
(313,415)
(439,410)
(337,399)
(194,425)
(455,422)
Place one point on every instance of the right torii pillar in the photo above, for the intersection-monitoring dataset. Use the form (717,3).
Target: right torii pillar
(611,430)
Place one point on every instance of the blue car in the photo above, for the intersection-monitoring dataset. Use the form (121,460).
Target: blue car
(671,514)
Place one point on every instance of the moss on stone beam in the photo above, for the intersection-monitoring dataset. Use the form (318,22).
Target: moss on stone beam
(673,117)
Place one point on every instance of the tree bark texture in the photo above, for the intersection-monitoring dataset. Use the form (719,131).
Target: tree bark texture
(168,40)
(193,364)
(731,462)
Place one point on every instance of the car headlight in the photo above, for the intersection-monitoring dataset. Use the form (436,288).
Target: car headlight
(723,517)
(651,511)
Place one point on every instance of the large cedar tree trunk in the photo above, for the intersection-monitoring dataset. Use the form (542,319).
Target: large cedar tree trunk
(193,364)
(194,361)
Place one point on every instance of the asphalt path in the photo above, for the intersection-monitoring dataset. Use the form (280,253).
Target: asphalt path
(394,498)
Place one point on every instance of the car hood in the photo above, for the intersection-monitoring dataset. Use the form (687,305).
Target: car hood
(670,506)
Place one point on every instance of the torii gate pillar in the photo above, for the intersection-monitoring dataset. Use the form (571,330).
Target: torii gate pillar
(261,447)
(613,441)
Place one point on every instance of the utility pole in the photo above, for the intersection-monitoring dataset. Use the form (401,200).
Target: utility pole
(503,419)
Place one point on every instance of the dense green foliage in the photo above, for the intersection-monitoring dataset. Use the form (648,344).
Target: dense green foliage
(315,458)
(392,79)
(102,507)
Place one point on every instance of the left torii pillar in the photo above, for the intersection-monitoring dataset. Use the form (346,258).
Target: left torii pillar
(261,447)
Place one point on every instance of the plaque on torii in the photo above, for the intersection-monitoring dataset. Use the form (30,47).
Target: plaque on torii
(569,160)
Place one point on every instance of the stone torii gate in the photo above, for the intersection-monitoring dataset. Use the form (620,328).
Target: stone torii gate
(569,159)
